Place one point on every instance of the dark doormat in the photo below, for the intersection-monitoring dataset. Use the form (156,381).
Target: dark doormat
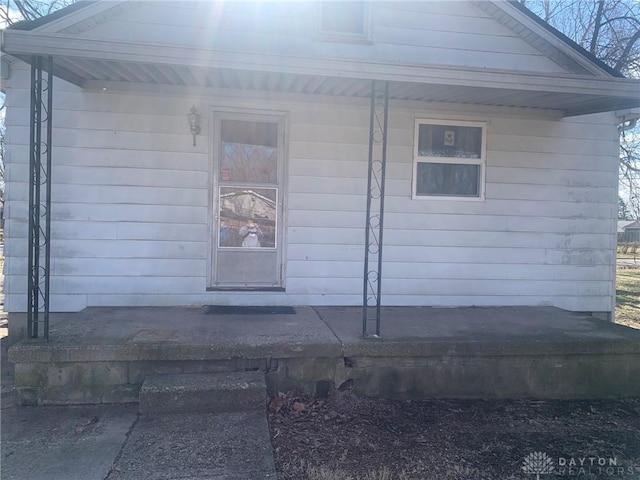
(238,310)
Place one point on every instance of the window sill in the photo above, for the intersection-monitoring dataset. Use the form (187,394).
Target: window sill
(448,197)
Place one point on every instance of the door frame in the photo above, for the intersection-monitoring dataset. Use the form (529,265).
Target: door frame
(216,114)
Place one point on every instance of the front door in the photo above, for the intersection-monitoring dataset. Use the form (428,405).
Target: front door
(247,190)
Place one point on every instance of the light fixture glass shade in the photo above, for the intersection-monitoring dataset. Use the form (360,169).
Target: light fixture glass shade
(194,123)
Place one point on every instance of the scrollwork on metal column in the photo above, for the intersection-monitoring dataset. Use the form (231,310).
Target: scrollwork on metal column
(39,197)
(375,209)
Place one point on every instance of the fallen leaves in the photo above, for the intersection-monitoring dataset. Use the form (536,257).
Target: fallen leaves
(294,403)
(347,437)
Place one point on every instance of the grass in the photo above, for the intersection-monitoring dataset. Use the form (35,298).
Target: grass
(628,297)
(628,250)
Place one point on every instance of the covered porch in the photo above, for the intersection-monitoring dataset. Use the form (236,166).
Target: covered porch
(103,355)
(111,66)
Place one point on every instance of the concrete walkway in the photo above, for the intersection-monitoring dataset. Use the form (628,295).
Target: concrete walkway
(113,442)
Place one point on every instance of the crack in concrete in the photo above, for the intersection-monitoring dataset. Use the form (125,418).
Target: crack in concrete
(330,329)
(124,444)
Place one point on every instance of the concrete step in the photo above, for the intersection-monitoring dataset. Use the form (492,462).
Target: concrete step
(203,393)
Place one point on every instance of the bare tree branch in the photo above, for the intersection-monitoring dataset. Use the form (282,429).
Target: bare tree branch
(622,61)
(598,25)
(17,10)
(610,30)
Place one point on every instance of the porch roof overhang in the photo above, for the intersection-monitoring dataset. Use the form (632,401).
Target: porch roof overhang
(93,63)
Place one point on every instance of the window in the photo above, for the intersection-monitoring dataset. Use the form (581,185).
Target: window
(344,21)
(449,160)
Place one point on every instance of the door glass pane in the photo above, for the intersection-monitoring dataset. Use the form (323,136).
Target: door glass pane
(249,152)
(247,217)
(448,179)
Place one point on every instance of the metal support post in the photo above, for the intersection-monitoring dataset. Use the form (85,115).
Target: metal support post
(372,288)
(39,197)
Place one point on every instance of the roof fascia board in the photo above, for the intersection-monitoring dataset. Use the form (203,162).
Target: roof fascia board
(77,16)
(22,43)
(555,41)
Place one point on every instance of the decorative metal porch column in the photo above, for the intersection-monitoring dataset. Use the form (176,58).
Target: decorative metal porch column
(39,197)
(372,288)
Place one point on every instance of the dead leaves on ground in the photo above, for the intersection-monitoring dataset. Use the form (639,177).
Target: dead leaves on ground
(295,403)
(443,439)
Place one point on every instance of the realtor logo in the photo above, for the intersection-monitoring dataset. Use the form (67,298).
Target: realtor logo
(537,463)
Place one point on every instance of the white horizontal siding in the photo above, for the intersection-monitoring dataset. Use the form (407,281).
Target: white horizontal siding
(550,161)
(123,194)
(119,267)
(130,218)
(524,216)
(469,271)
(124,176)
(526,142)
(149,285)
(451,238)
(118,212)
(112,139)
(120,165)
(149,249)
(446,33)
(462,288)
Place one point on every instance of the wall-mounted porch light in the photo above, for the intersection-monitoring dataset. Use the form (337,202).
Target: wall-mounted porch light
(194,123)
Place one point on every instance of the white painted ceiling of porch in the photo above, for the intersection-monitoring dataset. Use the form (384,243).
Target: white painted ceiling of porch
(94,73)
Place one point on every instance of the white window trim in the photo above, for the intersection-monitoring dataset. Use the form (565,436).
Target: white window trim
(482,161)
(345,37)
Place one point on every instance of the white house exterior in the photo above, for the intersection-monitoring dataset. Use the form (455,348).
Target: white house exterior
(501,162)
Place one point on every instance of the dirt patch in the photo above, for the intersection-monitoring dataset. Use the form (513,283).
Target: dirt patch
(355,438)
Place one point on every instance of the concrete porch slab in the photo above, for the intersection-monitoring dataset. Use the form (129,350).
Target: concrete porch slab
(179,333)
(104,354)
(429,331)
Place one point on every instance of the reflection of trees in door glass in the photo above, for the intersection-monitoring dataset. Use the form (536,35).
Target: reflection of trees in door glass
(248,151)
(247,217)
(248,163)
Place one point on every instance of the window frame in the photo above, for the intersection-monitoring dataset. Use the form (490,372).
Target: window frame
(481,162)
(345,37)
